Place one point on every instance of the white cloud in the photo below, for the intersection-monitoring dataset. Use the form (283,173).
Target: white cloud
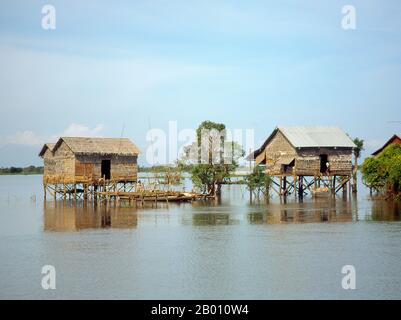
(27,137)
(30,138)
(80,130)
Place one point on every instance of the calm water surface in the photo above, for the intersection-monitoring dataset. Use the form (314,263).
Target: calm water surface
(217,250)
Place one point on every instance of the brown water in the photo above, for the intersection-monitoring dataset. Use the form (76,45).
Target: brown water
(204,250)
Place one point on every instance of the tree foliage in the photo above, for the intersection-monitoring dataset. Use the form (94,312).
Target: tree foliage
(359,147)
(384,170)
(211,166)
(258,182)
(20,170)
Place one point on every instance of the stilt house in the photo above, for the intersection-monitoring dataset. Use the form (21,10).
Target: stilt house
(81,159)
(306,151)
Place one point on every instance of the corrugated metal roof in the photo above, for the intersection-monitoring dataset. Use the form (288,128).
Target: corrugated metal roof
(316,136)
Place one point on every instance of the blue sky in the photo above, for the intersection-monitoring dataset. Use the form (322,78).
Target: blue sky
(118,68)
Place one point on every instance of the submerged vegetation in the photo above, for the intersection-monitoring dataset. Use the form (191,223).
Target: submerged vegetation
(21,170)
(258,183)
(383,172)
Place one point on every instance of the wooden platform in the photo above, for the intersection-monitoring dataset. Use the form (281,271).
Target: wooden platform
(152,195)
(105,191)
(287,184)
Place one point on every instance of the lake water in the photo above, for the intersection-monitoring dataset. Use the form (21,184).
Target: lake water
(216,250)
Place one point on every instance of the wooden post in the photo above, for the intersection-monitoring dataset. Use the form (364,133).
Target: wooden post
(95,195)
(301,187)
(295,185)
(349,187)
(250,195)
(344,186)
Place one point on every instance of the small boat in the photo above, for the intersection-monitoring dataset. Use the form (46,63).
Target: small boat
(320,192)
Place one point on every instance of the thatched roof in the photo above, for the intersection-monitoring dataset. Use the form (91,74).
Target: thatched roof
(310,137)
(46,146)
(99,146)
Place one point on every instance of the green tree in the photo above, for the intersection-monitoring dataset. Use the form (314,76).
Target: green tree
(383,172)
(15,170)
(357,154)
(211,158)
(258,183)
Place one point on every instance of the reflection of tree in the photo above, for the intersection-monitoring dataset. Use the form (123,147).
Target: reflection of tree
(386,210)
(256,218)
(205,219)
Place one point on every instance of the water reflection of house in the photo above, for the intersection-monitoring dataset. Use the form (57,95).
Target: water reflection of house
(395,139)
(312,212)
(69,217)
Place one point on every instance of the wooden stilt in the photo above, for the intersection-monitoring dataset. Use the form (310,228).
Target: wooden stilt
(301,188)
(295,178)
(285,186)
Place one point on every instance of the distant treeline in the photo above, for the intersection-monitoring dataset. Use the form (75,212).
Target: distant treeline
(21,170)
(167,168)
(163,168)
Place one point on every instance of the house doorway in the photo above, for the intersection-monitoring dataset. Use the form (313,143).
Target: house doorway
(323,163)
(106,166)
